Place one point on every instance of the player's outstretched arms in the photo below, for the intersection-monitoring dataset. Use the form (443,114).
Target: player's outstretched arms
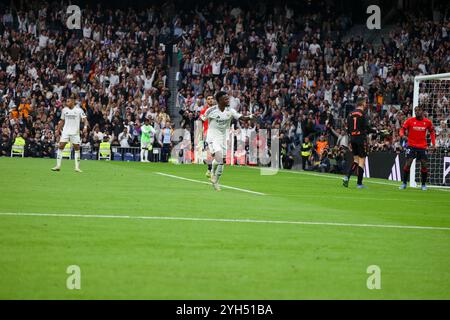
(250,117)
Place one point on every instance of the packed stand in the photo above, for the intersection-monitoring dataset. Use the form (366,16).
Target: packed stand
(293,70)
(287,65)
(114,65)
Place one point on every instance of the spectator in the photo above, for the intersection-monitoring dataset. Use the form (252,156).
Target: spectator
(124,138)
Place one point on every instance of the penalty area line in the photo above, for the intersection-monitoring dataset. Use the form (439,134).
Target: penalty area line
(208,183)
(317,223)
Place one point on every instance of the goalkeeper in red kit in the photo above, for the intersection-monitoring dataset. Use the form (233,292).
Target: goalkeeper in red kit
(417,128)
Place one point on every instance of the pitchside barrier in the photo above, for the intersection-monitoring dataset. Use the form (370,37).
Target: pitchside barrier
(389,165)
(117,154)
(263,150)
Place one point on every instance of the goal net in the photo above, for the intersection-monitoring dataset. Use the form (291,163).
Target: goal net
(432,92)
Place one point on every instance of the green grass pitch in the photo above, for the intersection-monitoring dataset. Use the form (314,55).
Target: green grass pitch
(215,255)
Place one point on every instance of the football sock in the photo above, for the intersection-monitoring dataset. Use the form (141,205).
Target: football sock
(209,166)
(146,154)
(424,175)
(142,155)
(360,174)
(352,169)
(77,159)
(214,166)
(219,170)
(405,174)
(58,158)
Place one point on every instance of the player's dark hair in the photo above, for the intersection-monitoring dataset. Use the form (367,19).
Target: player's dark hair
(220,94)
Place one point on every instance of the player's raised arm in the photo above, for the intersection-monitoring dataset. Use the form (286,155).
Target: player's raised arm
(240,116)
(245,118)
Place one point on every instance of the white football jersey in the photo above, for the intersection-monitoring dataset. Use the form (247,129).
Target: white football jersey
(72,119)
(218,121)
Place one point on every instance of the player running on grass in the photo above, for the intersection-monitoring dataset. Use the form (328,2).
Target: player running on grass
(417,128)
(209,102)
(358,127)
(219,120)
(71,117)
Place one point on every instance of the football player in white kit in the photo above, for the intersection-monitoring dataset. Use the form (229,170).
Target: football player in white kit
(219,120)
(71,117)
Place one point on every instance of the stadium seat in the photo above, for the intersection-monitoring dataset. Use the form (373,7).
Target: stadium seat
(67,152)
(117,156)
(94,155)
(128,157)
(137,157)
(17,151)
(104,151)
(156,154)
(86,156)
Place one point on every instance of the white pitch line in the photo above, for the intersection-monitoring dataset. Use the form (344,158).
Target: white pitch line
(208,183)
(440,188)
(324,175)
(338,224)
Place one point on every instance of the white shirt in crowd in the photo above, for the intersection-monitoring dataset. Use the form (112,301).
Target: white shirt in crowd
(123,139)
(383,71)
(235,103)
(314,48)
(11,70)
(216,67)
(87,31)
(43,40)
(328,95)
(113,80)
(96,36)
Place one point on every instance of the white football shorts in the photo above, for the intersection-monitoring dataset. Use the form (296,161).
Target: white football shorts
(72,138)
(217,144)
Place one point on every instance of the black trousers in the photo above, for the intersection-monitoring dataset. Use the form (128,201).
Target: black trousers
(305,159)
(165,152)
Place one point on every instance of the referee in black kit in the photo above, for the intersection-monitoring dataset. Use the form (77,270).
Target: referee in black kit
(357,127)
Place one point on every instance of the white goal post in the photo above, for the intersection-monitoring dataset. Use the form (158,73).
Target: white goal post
(432,92)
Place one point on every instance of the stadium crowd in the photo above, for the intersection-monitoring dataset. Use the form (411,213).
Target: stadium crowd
(293,69)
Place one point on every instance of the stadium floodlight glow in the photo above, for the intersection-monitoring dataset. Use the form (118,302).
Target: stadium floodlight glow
(432,92)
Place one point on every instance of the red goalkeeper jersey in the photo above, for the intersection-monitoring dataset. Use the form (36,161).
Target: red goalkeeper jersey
(417,132)
(205,123)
